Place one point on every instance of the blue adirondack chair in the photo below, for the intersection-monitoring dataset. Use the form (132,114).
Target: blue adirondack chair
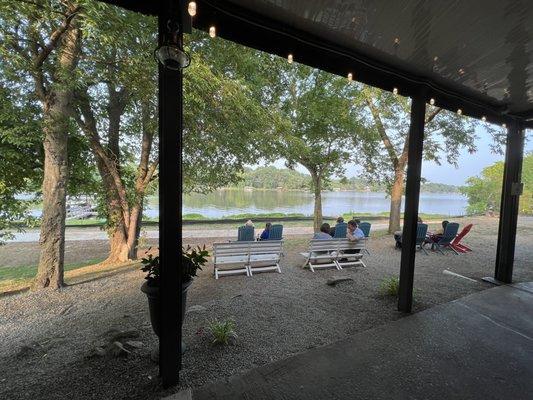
(245,234)
(340,230)
(421,233)
(276,232)
(449,235)
(365,227)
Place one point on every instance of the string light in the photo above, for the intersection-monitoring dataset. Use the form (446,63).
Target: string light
(289,58)
(395,91)
(459,111)
(432,101)
(192,8)
(350,76)
(212,31)
(484,119)
(504,126)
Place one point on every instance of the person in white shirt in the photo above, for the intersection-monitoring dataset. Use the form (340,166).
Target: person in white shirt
(354,234)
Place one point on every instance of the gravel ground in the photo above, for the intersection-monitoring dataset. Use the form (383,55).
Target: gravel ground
(48,339)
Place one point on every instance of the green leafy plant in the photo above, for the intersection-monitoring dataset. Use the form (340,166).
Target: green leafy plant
(389,286)
(193,260)
(222,331)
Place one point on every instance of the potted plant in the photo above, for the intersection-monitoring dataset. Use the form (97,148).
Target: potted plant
(193,260)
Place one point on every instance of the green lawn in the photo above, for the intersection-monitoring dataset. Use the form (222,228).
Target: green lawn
(22,275)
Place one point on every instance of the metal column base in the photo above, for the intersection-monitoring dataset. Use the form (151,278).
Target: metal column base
(492,280)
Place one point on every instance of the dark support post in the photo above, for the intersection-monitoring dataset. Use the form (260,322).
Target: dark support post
(412,193)
(511,191)
(170,185)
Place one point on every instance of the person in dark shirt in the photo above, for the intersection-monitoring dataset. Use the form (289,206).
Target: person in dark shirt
(266,233)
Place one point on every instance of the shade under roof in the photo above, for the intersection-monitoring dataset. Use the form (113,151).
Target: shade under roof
(474,55)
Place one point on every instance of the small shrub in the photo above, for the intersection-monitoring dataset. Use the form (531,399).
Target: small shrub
(389,286)
(222,331)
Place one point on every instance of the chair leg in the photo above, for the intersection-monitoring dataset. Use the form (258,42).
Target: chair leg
(248,270)
(216,273)
(439,249)
(278,268)
(424,250)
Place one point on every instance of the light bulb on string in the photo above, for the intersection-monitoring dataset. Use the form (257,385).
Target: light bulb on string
(212,31)
(191,9)
(290,58)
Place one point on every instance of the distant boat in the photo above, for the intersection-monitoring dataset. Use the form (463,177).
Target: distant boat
(248,189)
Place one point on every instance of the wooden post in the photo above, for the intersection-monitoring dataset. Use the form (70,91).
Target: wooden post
(412,194)
(511,191)
(170,185)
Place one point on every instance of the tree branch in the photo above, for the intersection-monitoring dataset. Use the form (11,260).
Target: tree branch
(381,130)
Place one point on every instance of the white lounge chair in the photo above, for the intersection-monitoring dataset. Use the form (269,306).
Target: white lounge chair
(232,258)
(332,254)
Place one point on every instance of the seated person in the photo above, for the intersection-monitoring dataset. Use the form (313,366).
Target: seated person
(434,237)
(354,234)
(340,220)
(266,233)
(398,235)
(249,223)
(323,234)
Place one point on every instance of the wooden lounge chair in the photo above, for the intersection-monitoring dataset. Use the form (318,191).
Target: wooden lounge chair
(456,243)
(245,233)
(445,241)
(421,233)
(340,230)
(365,227)
(231,258)
(276,232)
(332,254)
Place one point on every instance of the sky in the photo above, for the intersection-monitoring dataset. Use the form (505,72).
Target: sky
(469,164)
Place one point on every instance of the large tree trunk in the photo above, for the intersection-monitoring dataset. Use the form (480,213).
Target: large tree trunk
(52,239)
(317,216)
(396,200)
(56,110)
(124,242)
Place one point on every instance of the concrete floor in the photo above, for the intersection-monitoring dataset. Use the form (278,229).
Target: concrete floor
(476,347)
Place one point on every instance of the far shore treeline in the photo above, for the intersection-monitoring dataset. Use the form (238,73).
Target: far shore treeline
(270,177)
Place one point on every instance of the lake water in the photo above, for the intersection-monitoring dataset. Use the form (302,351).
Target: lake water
(223,203)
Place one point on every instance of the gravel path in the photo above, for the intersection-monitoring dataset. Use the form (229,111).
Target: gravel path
(48,339)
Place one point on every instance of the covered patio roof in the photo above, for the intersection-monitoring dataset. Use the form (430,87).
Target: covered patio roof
(476,56)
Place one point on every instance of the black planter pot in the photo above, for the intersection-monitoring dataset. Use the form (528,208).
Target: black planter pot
(152,292)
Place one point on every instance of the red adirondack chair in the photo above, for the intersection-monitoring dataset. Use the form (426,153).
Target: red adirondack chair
(456,243)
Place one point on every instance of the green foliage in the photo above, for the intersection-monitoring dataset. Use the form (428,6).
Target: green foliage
(390,286)
(484,191)
(193,260)
(222,331)
(20,161)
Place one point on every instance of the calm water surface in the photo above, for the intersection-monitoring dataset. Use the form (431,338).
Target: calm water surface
(229,202)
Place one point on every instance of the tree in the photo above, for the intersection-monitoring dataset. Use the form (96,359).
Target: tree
(40,43)
(484,191)
(445,133)
(116,109)
(322,126)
